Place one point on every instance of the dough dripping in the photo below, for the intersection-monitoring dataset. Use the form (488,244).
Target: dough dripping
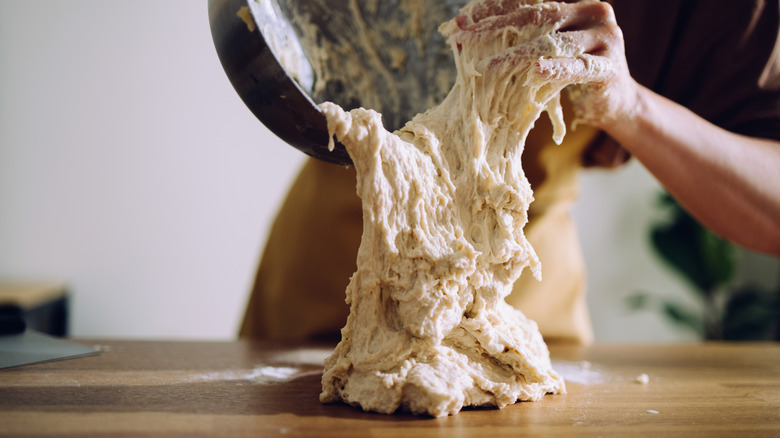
(444,204)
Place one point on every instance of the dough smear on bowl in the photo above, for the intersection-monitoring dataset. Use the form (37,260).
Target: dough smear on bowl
(445,200)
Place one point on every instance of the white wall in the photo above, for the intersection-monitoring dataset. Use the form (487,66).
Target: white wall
(130,169)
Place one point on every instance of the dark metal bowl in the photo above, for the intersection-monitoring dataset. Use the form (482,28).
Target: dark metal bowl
(256,47)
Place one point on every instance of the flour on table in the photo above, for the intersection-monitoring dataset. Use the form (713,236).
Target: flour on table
(444,204)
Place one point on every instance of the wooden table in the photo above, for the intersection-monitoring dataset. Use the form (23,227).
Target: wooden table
(264,389)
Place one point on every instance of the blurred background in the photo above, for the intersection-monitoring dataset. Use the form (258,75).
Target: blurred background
(131,172)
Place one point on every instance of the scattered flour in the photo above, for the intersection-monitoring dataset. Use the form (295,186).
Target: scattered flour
(303,356)
(269,374)
(582,373)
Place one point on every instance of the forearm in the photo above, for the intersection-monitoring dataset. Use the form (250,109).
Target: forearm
(729,182)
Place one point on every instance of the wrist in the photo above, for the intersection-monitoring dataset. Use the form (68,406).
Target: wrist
(624,123)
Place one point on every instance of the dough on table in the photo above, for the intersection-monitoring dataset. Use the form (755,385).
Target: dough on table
(444,201)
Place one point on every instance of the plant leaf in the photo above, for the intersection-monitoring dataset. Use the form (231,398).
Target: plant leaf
(683,317)
(751,314)
(677,245)
(639,300)
(703,259)
(719,256)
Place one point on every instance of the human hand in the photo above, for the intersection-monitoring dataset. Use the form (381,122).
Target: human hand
(605,93)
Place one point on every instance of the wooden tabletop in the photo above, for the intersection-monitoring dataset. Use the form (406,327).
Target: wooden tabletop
(264,389)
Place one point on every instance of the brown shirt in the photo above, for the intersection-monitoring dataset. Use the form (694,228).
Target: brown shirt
(719,58)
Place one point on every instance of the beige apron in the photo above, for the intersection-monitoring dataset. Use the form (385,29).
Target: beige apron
(312,248)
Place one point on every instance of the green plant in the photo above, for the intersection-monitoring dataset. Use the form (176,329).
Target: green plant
(708,264)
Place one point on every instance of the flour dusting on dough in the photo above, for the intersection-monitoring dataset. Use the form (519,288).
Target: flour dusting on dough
(444,204)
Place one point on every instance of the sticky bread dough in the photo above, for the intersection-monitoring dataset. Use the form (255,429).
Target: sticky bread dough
(444,204)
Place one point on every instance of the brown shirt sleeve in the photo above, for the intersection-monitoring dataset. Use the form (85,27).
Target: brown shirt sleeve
(718,58)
